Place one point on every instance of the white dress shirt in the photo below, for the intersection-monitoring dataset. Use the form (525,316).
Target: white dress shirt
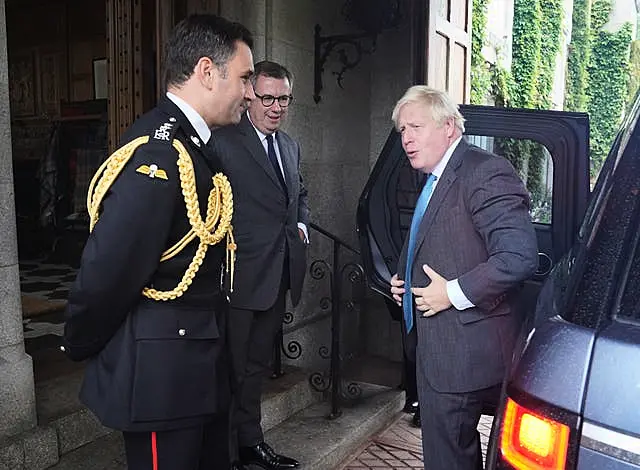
(192,115)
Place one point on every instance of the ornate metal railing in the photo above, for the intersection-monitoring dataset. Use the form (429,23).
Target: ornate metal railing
(331,380)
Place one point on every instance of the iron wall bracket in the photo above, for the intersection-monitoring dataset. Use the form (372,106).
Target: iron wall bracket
(348,47)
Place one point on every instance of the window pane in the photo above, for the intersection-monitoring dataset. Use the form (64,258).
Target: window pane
(534,165)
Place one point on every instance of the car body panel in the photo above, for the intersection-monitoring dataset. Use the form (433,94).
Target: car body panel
(557,368)
(589,459)
(613,397)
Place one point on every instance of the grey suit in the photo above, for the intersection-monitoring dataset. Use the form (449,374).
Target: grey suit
(476,229)
(271,258)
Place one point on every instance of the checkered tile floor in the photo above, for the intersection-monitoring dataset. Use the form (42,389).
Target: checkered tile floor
(44,287)
(399,447)
(46,281)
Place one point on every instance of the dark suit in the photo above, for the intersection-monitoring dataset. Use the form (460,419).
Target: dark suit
(271,258)
(476,229)
(153,366)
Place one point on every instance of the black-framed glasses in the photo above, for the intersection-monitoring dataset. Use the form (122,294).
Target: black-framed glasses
(268,100)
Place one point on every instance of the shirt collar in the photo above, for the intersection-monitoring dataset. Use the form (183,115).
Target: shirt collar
(439,169)
(261,134)
(192,115)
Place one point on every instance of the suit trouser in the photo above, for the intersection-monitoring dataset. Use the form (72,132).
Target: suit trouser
(251,339)
(409,380)
(203,447)
(450,439)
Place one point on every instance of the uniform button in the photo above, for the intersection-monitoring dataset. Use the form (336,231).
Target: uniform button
(63,349)
(182,332)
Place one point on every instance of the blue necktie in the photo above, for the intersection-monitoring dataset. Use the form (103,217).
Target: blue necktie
(418,213)
(271,153)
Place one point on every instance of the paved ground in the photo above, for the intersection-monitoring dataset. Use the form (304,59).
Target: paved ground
(399,447)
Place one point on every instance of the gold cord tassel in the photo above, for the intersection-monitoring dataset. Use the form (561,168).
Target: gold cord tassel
(231,257)
(219,211)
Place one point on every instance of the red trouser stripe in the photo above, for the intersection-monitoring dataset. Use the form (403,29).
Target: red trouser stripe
(154,450)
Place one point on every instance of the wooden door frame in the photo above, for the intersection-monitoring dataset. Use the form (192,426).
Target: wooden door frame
(426,23)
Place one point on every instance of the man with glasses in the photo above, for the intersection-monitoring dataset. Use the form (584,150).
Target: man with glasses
(270,228)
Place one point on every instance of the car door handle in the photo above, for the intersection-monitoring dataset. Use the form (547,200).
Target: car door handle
(545,263)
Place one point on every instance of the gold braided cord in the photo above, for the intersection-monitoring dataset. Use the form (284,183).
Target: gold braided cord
(219,211)
(109,170)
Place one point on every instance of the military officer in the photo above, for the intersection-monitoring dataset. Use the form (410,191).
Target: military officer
(148,308)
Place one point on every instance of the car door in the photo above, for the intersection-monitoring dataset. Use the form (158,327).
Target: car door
(388,199)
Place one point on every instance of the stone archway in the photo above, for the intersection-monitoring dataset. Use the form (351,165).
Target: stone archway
(17,396)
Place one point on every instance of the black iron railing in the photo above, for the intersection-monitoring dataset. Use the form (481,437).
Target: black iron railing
(331,380)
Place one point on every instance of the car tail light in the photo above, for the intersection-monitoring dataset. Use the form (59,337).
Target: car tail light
(531,441)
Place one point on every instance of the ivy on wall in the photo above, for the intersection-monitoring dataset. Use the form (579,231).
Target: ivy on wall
(537,29)
(527,42)
(607,92)
(634,71)
(575,98)
(598,74)
(551,15)
(551,29)
(480,74)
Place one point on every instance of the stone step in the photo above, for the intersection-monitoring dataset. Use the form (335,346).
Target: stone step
(320,443)
(285,396)
(317,442)
(64,425)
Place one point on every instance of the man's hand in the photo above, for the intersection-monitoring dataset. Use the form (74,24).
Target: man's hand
(433,298)
(397,289)
(302,235)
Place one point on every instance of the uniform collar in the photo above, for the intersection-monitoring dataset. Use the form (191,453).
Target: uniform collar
(192,115)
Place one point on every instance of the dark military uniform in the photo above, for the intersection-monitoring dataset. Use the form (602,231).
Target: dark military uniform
(154,366)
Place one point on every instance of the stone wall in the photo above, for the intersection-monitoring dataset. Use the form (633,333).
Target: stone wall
(17,398)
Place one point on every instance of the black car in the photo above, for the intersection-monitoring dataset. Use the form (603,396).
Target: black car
(572,396)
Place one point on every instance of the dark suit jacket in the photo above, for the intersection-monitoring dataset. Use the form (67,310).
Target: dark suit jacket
(264,220)
(152,365)
(476,229)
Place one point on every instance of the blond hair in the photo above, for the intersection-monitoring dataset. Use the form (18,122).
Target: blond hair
(437,102)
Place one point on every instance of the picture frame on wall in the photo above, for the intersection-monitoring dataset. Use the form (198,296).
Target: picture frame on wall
(100,89)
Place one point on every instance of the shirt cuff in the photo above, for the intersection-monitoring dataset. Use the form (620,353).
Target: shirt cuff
(303,227)
(457,297)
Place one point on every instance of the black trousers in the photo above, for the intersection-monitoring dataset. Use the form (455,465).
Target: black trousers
(409,380)
(450,439)
(251,339)
(203,447)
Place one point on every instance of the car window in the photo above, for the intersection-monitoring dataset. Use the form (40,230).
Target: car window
(605,243)
(628,305)
(529,158)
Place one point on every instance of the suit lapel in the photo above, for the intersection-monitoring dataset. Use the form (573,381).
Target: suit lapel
(440,192)
(252,142)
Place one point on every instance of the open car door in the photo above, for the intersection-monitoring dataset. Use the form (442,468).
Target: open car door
(553,144)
